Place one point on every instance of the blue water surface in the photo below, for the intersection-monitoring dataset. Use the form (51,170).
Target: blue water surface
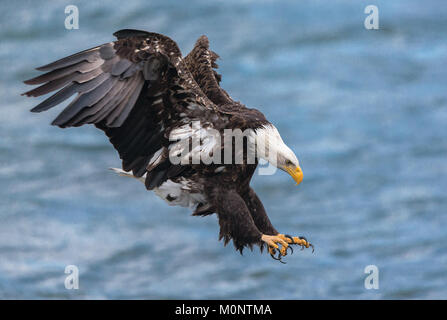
(364,110)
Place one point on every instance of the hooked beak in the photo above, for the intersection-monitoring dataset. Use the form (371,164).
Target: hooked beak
(296,173)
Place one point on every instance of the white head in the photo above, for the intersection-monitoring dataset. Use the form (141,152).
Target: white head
(272,148)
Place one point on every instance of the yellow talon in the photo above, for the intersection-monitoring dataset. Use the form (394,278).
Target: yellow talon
(285,241)
(284,250)
(295,240)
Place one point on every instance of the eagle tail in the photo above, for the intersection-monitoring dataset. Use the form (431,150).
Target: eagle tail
(128,174)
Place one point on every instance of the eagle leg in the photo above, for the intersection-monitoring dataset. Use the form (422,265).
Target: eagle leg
(301,241)
(272,244)
(272,252)
(235,220)
(258,213)
(285,241)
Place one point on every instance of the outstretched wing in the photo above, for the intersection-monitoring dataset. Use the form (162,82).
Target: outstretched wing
(137,90)
(107,84)
(201,62)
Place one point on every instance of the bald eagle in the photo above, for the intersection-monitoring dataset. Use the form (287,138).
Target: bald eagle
(149,100)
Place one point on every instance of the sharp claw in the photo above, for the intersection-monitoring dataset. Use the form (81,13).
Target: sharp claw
(278,258)
(285,245)
(272,254)
(308,244)
(291,249)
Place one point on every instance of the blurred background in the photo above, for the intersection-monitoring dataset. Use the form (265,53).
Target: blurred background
(364,110)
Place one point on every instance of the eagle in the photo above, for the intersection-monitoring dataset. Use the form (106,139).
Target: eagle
(150,101)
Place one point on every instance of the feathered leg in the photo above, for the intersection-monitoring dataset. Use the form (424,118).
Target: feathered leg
(271,236)
(235,221)
(258,213)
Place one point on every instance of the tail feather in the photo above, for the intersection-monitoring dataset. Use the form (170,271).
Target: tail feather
(128,174)
(123,173)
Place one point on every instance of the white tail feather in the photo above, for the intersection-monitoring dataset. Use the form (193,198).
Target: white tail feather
(128,174)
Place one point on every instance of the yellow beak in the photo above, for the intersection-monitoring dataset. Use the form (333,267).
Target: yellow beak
(296,173)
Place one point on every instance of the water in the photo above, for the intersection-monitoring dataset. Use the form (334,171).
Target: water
(365,111)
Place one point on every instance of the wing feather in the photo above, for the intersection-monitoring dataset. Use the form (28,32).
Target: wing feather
(82,67)
(84,100)
(105,103)
(89,55)
(201,62)
(137,90)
